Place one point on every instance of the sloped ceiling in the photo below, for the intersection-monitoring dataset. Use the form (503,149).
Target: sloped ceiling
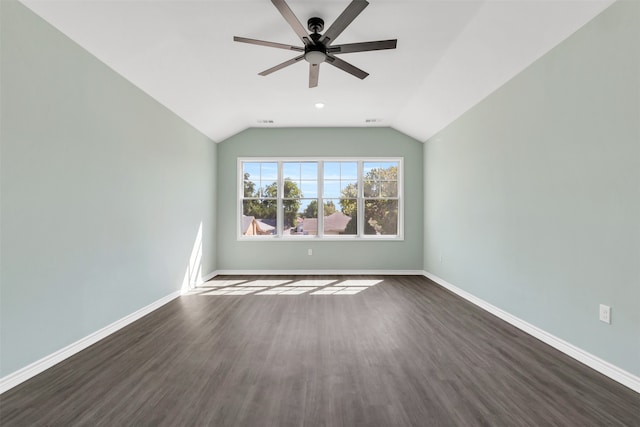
(451,54)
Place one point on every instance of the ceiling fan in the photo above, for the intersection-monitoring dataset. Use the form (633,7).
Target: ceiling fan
(318,47)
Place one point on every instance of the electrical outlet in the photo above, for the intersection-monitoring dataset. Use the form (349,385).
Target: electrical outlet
(309,251)
(605,313)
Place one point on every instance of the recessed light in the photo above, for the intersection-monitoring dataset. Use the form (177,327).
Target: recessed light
(319,105)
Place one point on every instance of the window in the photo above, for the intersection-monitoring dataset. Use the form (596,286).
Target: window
(328,199)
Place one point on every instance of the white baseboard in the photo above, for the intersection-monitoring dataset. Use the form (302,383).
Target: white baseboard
(615,373)
(319,272)
(47,362)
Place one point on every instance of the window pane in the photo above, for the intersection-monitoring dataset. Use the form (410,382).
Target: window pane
(336,220)
(340,180)
(291,190)
(385,171)
(251,188)
(291,170)
(309,170)
(348,189)
(381,217)
(367,167)
(309,189)
(251,168)
(389,189)
(380,179)
(389,171)
(269,189)
(371,188)
(301,217)
(331,170)
(269,171)
(349,170)
(291,208)
(259,218)
(251,177)
(301,179)
(331,189)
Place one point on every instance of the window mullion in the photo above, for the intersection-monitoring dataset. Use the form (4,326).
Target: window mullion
(240,201)
(279,202)
(359,200)
(320,181)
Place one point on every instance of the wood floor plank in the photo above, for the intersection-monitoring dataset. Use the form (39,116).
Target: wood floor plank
(403,352)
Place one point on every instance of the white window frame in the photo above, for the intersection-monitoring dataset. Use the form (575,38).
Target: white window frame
(281,236)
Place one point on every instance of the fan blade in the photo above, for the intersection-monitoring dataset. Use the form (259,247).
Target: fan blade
(345,18)
(363,47)
(345,66)
(281,66)
(314,71)
(266,43)
(293,21)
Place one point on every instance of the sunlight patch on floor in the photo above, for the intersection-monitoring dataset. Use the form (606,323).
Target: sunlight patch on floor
(314,283)
(286,290)
(340,290)
(284,287)
(235,291)
(266,283)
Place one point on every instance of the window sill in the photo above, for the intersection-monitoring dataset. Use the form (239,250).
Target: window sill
(321,239)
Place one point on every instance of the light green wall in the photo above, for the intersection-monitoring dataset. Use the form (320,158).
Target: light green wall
(327,255)
(532,198)
(103,190)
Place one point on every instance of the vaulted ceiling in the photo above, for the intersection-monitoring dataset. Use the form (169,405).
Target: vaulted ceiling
(450,55)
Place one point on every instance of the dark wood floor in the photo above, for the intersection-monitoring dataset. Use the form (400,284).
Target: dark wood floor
(404,352)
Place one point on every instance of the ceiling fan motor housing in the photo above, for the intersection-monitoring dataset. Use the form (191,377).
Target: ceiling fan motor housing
(315,53)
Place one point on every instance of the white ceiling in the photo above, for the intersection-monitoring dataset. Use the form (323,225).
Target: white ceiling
(451,54)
